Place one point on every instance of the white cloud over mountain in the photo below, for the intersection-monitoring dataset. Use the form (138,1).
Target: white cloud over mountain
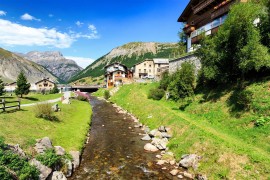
(81,61)
(28,17)
(3,13)
(12,34)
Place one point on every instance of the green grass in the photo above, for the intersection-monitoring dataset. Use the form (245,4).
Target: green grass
(22,127)
(230,146)
(31,97)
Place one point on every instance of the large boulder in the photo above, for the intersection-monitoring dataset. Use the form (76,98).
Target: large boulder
(150,147)
(161,144)
(58,175)
(146,138)
(75,158)
(59,150)
(43,144)
(44,170)
(189,160)
(17,150)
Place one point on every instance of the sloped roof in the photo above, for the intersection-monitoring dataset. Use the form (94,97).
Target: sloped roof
(45,80)
(161,61)
(114,64)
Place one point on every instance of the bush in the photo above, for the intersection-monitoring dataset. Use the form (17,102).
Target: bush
(82,98)
(44,111)
(156,94)
(50,159)
(107,94)
(55,90)
(10,162)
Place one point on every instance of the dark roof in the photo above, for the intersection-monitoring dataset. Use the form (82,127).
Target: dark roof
(115,63)
(45,80)
(187,11)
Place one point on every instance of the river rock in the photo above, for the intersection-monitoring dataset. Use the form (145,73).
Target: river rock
(172,162)
(165,135)
(161,162)
(17,150)
(44,170)
(188,175)
(158,156)
(150,147)
(58,175)
(174,172)
(158,134)
(189,160)
(162,129)
(43,144)
(161,144)
(180,176)
(146,129)
(146,138)
(153,132)
(201,177)
(59,150)
(75,158)
(67,169)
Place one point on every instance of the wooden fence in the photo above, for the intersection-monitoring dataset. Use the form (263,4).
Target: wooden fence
(5,103)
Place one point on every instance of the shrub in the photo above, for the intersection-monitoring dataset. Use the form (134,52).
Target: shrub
(55,90)
(107,94)
(44,111)
(50,159)
(156,94)
(82,98)
(244,99)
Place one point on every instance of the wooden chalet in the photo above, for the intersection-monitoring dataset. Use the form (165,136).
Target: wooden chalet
(44,85)
(204,16)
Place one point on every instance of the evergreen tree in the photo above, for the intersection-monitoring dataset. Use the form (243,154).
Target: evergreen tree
(54,90)
(23,87)
(2,87)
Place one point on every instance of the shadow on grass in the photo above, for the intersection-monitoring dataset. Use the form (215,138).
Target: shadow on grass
(12,111)
(30,98)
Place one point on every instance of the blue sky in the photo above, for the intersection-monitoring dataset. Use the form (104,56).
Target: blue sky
(86,29)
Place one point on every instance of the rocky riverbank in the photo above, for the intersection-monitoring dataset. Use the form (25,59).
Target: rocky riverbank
(157,141)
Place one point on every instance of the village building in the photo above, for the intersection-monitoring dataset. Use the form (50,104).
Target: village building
(10,87)
(44,85)
(117,74)
(204,16)
(151,68)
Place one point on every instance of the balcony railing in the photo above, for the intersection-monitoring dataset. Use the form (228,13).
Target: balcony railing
(202,5)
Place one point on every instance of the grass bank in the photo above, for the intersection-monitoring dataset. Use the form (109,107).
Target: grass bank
(231,147)
(31,97)
(22,127)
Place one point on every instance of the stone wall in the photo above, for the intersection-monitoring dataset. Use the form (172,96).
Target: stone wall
(176,64)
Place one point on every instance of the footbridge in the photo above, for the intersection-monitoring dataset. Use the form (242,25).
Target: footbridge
(85,88)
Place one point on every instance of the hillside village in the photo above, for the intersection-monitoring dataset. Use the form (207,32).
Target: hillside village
(196,109)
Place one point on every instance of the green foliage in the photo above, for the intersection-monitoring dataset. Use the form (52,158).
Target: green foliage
(55,90)
(165,80)
(107,94)
(156,93)
(236,50)
(265,24)
(261,121)
(182,82)
(50,159)
(10,162)
(44,111)
(81,98)
(23,87)
(2,87)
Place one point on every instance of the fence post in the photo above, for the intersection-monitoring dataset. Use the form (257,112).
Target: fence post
(4,105)
(19,103)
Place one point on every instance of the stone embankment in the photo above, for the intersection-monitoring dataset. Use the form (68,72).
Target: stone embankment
(62,170)
(157,141)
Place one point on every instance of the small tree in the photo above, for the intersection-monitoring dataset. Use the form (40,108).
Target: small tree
(55,90)
(23,87)
(2,87)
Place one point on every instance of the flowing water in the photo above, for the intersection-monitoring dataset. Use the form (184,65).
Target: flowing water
(114,149)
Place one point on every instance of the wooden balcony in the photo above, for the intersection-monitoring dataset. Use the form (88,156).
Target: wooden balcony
(189,29)
(220,11)
(202,5)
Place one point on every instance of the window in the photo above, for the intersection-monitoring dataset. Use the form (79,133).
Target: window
(158,65)
(144,70)
(149,65)
(144,64)
(139,70)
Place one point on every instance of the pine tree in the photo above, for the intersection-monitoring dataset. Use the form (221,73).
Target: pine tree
(2,87)
(23,87)
(54,90)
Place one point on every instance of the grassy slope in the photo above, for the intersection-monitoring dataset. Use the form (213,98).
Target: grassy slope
(23,127)
(206,129)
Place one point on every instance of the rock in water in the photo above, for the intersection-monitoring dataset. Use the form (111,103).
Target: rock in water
(150,147)
(146,138)
(57,175)
(174,172)
(44,170)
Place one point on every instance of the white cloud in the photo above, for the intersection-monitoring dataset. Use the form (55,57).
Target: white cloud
(16,34)
(81,61)
(28,17)
(12,34)
(3,13)
(50,15)
(79,24)
(59,20)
